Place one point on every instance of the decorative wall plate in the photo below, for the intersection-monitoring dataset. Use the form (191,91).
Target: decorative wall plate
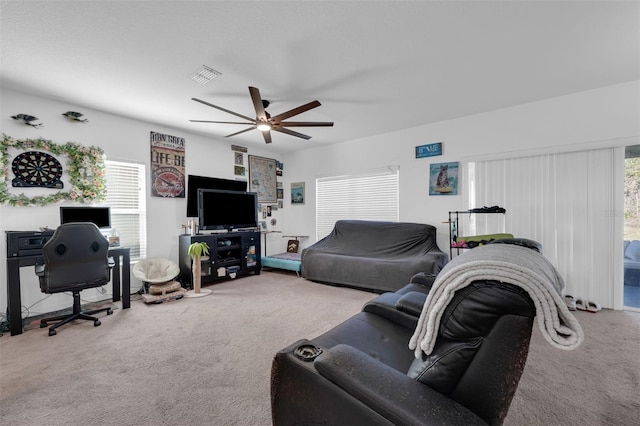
(36,169)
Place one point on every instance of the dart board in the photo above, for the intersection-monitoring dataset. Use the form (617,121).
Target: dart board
(36,169)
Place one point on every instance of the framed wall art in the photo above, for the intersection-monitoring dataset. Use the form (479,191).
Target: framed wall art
(262,178)
(443,178)
(297,193)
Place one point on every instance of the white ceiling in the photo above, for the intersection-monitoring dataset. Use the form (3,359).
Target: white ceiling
(376,66)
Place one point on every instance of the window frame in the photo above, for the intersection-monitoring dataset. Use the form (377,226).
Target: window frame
(370,195)
(134,236)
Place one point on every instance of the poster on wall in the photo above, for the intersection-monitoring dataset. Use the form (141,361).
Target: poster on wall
(262,178)
(443,179)
(167,166)
(297,193)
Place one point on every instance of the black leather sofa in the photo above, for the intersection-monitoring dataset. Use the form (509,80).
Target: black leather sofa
(363,373)
(373,255)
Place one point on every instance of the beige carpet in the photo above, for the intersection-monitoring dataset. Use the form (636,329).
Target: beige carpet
(207,361)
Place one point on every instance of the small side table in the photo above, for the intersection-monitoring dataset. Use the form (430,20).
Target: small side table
(265,233)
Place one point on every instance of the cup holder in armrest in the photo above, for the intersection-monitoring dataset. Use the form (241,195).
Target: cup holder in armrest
(307,352)
(411,303)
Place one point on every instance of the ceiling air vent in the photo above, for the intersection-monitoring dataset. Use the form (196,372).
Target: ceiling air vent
(205,75)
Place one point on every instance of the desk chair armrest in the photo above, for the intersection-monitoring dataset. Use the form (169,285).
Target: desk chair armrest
(39,270)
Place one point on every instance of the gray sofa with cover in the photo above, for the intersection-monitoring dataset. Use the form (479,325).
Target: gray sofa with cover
(373,255)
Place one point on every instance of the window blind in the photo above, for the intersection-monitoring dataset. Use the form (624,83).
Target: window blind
(363,196)
(564,201)
(125,197)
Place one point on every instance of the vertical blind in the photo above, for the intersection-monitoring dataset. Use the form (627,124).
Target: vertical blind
(364,196)
(125,197)
(564,201)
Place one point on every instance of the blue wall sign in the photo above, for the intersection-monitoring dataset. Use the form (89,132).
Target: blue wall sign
(430,150)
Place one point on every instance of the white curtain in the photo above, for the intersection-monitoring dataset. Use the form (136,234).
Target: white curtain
(568,202)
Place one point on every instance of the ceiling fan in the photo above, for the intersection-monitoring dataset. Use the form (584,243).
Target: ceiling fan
(265,122)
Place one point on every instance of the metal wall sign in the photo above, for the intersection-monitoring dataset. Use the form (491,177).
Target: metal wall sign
(430,150)
(167,166)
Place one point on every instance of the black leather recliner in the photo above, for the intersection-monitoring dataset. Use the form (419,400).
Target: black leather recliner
(363,373)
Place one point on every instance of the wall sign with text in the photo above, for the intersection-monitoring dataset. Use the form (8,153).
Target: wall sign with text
(167,166)
(430,150)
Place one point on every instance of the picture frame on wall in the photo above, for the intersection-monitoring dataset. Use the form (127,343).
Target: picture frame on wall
(238,158)
(262,178)
(297,193)
(443,178)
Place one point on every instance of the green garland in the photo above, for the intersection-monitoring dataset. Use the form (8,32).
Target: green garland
(85,168)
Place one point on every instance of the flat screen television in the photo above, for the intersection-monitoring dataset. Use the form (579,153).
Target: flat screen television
(227,210)
(194,183)
(101,216)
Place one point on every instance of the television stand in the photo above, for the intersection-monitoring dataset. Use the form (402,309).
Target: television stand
(231,255)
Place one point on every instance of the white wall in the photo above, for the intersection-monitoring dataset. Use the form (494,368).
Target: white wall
(584,120)
(121,139)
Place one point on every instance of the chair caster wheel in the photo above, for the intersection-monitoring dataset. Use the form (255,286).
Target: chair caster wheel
(96,323)
(52,333)
(110,311)
(43,324)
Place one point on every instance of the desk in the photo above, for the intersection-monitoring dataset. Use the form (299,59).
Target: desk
(119,275)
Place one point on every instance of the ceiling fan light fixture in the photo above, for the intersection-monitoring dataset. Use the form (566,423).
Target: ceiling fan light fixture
(263,120)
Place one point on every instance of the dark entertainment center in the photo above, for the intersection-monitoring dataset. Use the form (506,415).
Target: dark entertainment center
(222,206)
(231,255)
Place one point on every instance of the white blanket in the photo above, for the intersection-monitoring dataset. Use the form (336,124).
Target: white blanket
(507,263)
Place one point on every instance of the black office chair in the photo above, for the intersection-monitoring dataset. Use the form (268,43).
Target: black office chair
(75,258)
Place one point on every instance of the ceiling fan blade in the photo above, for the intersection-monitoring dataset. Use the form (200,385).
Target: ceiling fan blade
(223,109)
(241,131)
(305,123)
(221,122)
(257,103)
(296,111)
(267,136)
(291,132)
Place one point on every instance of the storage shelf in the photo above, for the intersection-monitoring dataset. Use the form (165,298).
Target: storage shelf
(454,229)
(240,253)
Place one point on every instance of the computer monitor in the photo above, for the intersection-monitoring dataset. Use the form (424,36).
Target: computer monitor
(101,216)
